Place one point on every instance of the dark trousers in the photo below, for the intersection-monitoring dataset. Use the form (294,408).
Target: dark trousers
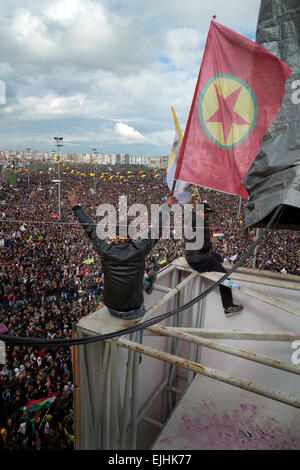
(212,262)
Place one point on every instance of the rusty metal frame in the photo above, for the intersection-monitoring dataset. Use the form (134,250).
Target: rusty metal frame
(127,418)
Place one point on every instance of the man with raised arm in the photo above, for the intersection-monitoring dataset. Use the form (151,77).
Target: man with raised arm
(123,265)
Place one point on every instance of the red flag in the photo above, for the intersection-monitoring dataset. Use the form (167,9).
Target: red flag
(238,94)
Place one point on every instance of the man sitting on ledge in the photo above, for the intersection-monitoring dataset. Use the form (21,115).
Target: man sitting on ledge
(123,265)
(206,260)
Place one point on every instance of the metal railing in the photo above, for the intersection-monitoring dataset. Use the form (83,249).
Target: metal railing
(116,427)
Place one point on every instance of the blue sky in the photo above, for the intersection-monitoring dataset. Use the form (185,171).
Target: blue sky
(104,73)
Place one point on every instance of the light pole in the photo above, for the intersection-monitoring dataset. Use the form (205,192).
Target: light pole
(28,171)
(58,143)
(94,150)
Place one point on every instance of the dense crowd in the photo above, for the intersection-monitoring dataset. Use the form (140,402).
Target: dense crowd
(50,277)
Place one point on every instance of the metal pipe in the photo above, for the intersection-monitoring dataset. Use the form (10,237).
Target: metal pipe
(167,270)
(263,273)
(266,282)
(221,376)
(169,295)
(113,397)
(99,405)
(173,282)
(233,334)
(153,421)
(152,399)
(84,347)
(282,305)
(106,422)
(176,390)
(119,410)
(255,279)
(126,398)
(201,318)
(175,351)
(134,402)
(230,350)
(161,288)
(192,318)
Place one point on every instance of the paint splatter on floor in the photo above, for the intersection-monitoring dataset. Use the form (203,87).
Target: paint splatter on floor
(247,426)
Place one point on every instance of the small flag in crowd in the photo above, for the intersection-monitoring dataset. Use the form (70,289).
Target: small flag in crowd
(162,261)
(218,234)
(88,261)
(35,405)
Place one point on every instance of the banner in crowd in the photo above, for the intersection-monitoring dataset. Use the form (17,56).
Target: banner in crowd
(35,405)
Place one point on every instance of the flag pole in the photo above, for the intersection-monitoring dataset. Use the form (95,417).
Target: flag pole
(43,418)
(181,139)
(173,187)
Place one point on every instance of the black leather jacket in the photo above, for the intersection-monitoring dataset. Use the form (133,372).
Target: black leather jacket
(196,256)
(123,264)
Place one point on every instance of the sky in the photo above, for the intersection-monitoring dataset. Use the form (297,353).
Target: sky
(103,74)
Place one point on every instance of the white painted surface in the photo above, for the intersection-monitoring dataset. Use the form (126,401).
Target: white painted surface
(217,416)
(226,405)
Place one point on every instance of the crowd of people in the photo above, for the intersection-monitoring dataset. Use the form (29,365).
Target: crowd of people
(50,277)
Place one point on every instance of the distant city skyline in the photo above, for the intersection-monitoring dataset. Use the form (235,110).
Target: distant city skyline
(16,159)
(104,74)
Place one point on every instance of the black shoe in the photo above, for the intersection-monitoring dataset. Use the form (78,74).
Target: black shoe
(233,310)
(151,279)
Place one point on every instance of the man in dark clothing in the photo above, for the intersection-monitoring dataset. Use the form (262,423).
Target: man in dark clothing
(123,265)
(205,260)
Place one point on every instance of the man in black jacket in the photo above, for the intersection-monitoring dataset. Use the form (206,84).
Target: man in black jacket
(206,260)
(123,265)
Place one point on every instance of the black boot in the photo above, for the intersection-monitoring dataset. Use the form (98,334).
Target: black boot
(151,279)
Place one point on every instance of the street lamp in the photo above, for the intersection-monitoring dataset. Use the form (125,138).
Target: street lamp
(28,170)
(58,143)
(94,150)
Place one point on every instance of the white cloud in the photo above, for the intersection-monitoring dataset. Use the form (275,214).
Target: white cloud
(65,10)
(47,106)
(105,72)
(78,33)
(128,134)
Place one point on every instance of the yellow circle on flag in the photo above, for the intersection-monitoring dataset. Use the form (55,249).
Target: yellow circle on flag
(227,110)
